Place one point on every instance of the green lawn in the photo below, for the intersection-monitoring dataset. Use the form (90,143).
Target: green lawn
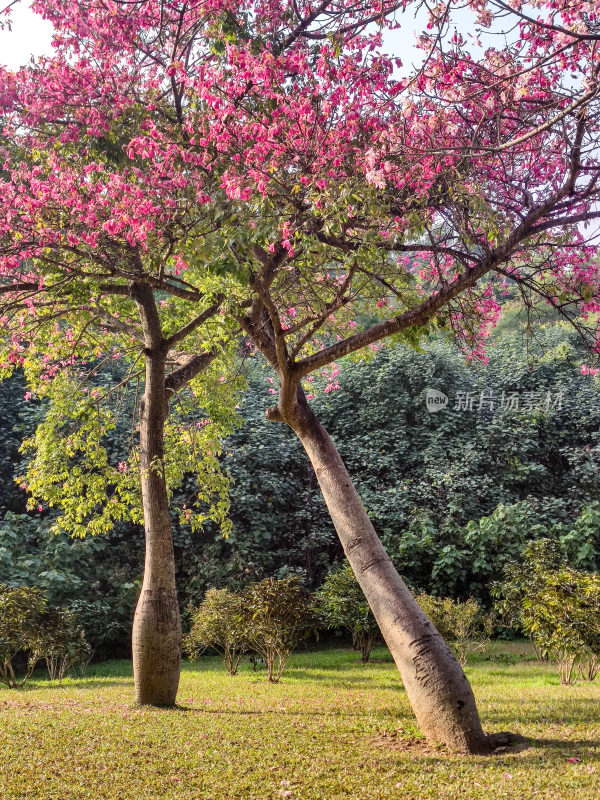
(332,728)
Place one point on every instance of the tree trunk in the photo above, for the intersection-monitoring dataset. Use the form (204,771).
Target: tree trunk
(157,623)
(436,685)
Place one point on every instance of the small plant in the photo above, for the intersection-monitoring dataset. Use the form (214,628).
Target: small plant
(563,617)
(556,606)
(220,623)
(61,642)
(21,609)
(279,615)
(464,625)
(341,604)
(522,581)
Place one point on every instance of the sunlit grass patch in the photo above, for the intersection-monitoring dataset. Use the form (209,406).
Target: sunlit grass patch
(333,728)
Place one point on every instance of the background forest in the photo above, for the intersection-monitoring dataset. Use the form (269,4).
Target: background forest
(454,495)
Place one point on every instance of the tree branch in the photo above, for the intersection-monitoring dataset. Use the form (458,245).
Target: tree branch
(177,379)
(195,323)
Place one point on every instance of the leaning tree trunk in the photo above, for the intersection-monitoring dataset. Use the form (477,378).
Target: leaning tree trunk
(157,623)
(436,685)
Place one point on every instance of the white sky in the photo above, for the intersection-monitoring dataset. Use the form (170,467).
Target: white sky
(31,35)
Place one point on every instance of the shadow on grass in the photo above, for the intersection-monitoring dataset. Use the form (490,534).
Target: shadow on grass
(108,673)
(72,683)
(340,675)
(565,711)
(522,750)
(341,682)
(566,744)
(253,712)
(299,713)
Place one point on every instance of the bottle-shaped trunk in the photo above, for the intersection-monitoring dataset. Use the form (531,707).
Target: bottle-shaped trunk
(436,685)
(157,624)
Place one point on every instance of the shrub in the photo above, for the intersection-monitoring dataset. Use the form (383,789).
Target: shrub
(341,604)
(556,606)
(522,580)
(463,625)
(21,609)
(219,622)
(563,617)
(279,615)
(101,619)
(60,640)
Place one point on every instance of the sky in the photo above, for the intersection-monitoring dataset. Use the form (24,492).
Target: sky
(31,35)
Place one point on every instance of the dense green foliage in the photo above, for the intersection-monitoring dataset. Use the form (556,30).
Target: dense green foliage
(455,495)
(17,418)
(96,578)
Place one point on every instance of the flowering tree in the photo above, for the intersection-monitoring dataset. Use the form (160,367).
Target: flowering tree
(326,185)
(424,199)
(108,202)
(474,175)
(90,262)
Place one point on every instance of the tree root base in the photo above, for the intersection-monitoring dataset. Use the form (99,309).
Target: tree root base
(499,744)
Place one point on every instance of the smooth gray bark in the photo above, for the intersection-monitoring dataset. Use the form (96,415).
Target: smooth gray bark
(437,688)
(156,638)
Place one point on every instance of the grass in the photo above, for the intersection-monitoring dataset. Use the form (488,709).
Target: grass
(333,728)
